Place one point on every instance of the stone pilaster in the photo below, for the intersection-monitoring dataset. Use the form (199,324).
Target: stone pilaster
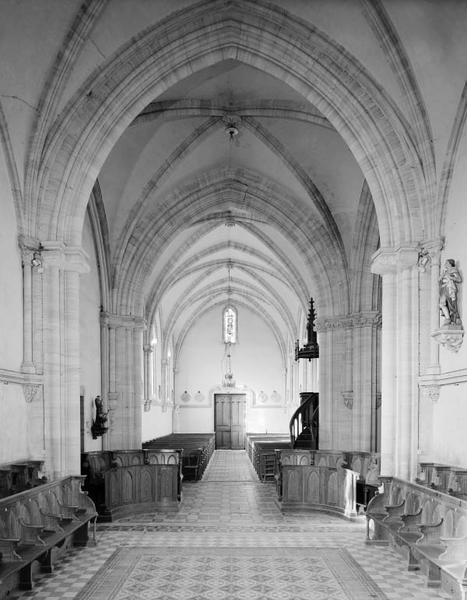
(400,342)
(32,302)
(60,300)
(122,387)
(348,380)
(149,390)
(334,419)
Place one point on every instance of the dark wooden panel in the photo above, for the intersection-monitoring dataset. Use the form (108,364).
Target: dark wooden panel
(229,421)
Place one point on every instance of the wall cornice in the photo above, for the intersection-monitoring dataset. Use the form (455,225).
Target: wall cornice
(442,379)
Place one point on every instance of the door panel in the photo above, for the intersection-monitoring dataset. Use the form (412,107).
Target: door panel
(230,421)
(222,408)
(237,425)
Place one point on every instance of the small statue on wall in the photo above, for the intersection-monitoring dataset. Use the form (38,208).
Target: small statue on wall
(99,424)
(448,294)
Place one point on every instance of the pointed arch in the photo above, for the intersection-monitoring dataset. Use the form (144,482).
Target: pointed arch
(256,33)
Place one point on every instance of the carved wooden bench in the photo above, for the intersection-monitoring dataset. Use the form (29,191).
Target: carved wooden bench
(202,444)
(444,478)
(19,476)
(128,481)
(39,525)
(427,527)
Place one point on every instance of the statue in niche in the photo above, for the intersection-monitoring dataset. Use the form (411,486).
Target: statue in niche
(448,293)
(99,424)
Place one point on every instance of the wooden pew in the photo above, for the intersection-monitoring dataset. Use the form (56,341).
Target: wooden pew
(322,479)
(123,482)
(19,476)
(197,449)
(261,449)
(426,526)
(39,525)
(444,478)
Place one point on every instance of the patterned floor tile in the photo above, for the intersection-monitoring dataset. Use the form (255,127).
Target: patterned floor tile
(239,517)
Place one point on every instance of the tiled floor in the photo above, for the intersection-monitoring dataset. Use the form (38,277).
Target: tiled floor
(228,511)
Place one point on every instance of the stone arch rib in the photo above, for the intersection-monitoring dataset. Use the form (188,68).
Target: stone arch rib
(256,33)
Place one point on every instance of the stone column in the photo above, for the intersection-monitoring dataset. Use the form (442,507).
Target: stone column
(148,376)
(400,337)
(334,417)
(364,378)
(27,365)
(62,266)
(125,379)
(431,266)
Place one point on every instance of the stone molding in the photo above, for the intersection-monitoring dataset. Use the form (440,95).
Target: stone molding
(393,260)
(430,391)
(32,391)
(69,258)
(31,385)
(449,378)
(348,399)
(19,378)
(127,321)
(363,319)
(450,338)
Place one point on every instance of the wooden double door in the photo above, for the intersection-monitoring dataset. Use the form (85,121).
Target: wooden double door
(229,420)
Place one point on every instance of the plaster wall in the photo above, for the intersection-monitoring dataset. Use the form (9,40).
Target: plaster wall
(14,443)
(447,442)
(156,422)
(90,360)
(11,285)
(256,365)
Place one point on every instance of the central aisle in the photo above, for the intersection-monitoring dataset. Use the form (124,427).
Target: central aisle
(230,541)
(230,465)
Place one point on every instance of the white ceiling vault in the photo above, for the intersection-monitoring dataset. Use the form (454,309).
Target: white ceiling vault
(246,150)
(225,182)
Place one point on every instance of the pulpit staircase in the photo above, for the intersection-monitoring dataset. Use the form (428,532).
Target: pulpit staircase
(304,423)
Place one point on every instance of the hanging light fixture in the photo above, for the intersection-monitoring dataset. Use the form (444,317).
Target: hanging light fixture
(229,380)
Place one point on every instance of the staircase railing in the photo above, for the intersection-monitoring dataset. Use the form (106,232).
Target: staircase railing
(304,423)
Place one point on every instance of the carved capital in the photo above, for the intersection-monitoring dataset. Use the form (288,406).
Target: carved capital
(127,321)
(430,392)
(363,319)
(68,258)
(392,260)
(329,323)
(348,399)
(32,392)
(366,319)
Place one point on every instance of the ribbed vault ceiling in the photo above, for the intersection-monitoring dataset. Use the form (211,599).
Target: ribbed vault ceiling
(200,217)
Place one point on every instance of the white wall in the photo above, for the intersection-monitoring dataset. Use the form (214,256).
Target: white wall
(449,422)
(11,285)
(443,437)
(256,365)
(156,422)
(90,359)
(14,444)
